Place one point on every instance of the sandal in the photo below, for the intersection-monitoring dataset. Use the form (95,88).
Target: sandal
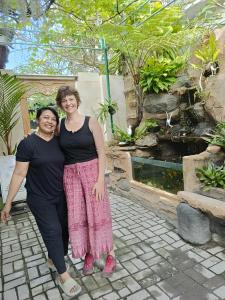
(110,266)
(88,267)
(68,285)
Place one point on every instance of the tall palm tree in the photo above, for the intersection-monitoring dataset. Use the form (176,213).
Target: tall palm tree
(11,91)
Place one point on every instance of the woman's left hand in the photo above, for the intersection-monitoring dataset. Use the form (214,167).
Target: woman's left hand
(99,190)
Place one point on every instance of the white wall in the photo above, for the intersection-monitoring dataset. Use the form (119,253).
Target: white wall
(93,91)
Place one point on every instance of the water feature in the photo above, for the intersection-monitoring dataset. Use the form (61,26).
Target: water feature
(164,175)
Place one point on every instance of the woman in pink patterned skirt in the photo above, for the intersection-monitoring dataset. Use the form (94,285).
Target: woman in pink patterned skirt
(89,213)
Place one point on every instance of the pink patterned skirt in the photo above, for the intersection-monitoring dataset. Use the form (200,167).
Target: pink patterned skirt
(89,220)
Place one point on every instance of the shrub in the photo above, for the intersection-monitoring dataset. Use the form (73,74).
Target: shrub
(218,136)
(160,73)
(212,176)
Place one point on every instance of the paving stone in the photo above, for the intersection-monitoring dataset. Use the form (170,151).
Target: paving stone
(131,268)
(157,293)
(205,272)
(117,275)
(14,283)
(18,265)
(36,262)
(40,280)
(141,295)
(218,268)
(210,262)
(32,273)
(89,283)
(106,289)
(131,284)
(40,297)
(220,291)
(7,269)
(53,294)
(23,292)
(124,292)
(13,276)
(111,296)
(84,297)
(214,282)
(139,263)
(10,295)
(215,250)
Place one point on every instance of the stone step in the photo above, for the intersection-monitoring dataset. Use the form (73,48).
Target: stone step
(205,204)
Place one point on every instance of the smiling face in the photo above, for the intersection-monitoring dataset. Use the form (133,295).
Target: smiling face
(47,122)
(69,104)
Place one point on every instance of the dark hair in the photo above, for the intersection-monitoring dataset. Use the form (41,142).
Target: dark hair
(64,91)
(42,109)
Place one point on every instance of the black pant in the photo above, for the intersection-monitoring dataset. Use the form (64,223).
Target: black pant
(51,218)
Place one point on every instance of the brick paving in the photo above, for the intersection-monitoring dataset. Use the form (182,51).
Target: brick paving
(153,262)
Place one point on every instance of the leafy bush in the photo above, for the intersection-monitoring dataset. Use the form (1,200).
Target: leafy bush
(141,131)
(122,136)
(212,176)
(209,52)
(218,136)
(160,73)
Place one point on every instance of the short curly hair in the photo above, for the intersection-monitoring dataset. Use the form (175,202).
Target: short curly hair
(64,91)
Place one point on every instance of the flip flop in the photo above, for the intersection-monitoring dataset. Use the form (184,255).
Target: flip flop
(68,285)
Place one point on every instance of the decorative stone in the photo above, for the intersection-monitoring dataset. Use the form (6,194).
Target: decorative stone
(149,140)
(142,153)
(207,205)
(160,103)
(213,192)
(193,225)
(213,149)
(123,184)
(162,116)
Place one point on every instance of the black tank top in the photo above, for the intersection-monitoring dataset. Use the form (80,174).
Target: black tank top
(78,146)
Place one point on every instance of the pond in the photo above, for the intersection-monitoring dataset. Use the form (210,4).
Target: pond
(164,175)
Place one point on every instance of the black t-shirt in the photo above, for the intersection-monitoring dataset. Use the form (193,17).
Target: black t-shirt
(45,172)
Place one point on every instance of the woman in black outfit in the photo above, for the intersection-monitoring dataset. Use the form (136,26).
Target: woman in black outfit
(40,160)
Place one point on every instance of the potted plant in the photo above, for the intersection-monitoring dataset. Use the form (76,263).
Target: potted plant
(212,178)
(109,107)
(11,91)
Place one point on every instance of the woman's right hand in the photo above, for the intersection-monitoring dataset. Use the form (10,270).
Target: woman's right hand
(5,216)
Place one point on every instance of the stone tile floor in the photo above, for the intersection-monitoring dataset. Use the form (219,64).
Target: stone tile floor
(153,262)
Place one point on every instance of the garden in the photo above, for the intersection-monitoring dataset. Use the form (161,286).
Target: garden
(170,56)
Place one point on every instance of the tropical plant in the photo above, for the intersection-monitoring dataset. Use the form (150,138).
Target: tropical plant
(218,136)
(160,73)
(11,91)
(144,128)
(212,176)
(209,52)
(107,108)
(139,132)
(122,136)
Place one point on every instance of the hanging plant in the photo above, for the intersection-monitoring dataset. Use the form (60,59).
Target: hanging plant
(107,108)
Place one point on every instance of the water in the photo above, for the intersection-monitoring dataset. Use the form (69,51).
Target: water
(164,175)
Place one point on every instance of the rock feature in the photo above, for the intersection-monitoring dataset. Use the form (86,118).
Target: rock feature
(193,225)
(160,103)
(124,185)
(207,205)
(149,140)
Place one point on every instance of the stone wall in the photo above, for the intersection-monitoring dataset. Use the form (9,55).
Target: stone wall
(121,182)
